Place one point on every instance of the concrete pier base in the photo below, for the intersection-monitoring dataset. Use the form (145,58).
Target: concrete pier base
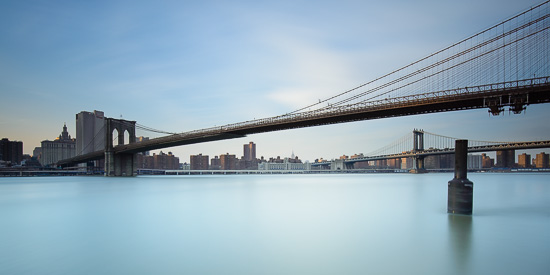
(460,189)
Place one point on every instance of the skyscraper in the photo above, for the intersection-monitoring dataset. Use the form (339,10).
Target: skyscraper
(249,151)
(90,132)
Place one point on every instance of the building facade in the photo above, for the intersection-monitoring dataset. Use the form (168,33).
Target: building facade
(228,162)
(486,161)
(11,151)
(249,151)
(198,162)
(506,158)
(541,160)
(63,147)
(286,164)
(524,160)
(166,161)
(90,132)
(215,163)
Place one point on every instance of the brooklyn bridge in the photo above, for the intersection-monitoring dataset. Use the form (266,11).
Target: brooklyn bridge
(503,68)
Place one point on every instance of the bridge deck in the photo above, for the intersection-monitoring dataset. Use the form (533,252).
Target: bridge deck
(514,93)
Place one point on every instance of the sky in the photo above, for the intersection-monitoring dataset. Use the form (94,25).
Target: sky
(186,65)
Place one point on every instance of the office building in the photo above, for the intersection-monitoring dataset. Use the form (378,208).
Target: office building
(90,132)
(11,151)
(63,147)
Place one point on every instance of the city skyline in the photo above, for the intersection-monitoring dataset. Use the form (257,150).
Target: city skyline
(171,66)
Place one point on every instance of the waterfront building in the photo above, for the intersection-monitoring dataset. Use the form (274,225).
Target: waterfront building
(541,160)
(198,162)
(524,160)
(486,161)
(11,151)
(474,162)
(166,161)
(90,132)
(228,162)
(506,158)
(63,147)
(145,162)
(249,151)
(286,164)
(215,163)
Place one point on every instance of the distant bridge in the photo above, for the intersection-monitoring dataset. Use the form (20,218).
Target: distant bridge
(505,66)
(414,146)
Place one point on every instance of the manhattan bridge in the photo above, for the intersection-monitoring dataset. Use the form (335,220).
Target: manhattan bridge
(503,68)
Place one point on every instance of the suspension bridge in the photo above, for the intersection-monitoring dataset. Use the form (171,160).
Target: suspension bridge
(419,144)
(505,67)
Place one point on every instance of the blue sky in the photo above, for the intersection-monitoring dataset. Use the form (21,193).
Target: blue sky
(182,65)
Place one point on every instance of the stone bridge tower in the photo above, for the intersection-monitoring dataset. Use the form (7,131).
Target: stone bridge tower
(119,164)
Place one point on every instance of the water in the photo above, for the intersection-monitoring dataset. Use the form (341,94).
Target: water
(273,224)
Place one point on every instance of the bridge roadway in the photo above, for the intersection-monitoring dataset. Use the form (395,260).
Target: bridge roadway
(447,151)
(515,94)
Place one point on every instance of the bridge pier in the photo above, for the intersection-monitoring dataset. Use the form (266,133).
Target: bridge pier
(460,189)
(418,165)
(119,164)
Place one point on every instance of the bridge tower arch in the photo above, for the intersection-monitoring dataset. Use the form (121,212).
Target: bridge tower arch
(119,164)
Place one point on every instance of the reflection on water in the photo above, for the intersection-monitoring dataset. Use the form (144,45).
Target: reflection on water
(460,238)
(273,224)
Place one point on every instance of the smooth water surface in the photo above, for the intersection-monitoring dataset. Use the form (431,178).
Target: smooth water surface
(273,224)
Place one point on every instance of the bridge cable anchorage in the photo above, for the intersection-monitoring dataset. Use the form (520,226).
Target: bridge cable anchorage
(512,50)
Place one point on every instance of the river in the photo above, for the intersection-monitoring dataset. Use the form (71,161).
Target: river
(273,224)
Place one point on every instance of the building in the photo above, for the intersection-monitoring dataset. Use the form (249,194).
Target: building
(215,163)
(541,160)
(506,158)
(286,164)
(166,161)
(90,132)
(249,151)
(524,160)
(63,147)
(198,162)
(474,162)
(228,162)
(11,151)
(145,162)
(37,152)
(486,161)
